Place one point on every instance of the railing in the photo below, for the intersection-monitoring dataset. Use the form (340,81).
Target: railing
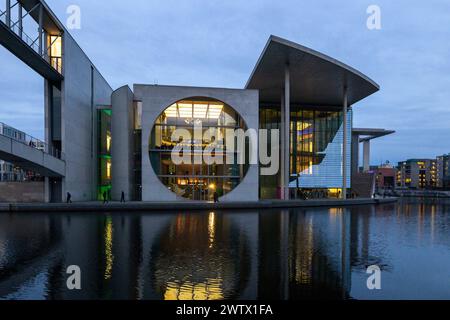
(56,63)
(30,141)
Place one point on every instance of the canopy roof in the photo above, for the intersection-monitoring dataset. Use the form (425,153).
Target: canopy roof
(316,79)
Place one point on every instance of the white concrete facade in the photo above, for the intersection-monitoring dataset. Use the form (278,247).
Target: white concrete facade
(122,144)
(155,99)
(82,89)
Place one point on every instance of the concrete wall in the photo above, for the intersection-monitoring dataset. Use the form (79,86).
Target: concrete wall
(155,99)
(13,192)
(122,143)
(82,89)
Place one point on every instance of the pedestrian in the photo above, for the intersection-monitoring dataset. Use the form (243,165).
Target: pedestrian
(105,199)
(122,197)
(216,197)
(69,197)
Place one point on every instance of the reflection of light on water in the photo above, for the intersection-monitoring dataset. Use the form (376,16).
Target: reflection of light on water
(109,257)
(211,228)
(433,216)
(304,254)
(335,211)
(210,290)
(2,252)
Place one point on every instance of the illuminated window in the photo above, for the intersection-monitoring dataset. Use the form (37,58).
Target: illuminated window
(108,141)
(137,115)
(108,169)
(197,180)
(55,53)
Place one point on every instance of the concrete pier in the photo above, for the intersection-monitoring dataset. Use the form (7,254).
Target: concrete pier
(94,207)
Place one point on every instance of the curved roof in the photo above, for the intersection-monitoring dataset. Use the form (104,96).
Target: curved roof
(316,79)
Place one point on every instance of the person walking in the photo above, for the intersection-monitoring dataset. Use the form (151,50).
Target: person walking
(105,197)
(122,197)
(216,197)
(69,197)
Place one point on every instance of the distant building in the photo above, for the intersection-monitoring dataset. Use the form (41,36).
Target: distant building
(417,174)
(8,172)
(385,176)
(443,172)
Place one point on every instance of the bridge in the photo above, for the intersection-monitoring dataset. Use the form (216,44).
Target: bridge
(30,153)
(40,52)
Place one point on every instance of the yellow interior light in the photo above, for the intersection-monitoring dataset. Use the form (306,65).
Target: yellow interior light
(171,112)
(200,111)
(215,110)
(185,110)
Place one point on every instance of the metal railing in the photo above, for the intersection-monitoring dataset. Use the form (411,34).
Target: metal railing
(55,62)
(22,137)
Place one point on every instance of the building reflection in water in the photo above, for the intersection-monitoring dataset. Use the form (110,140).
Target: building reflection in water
(290,254)
(187,264)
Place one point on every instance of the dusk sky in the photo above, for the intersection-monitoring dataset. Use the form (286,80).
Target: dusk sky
(217,43)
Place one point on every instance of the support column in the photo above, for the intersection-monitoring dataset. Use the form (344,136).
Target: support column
(46,190)
(344,146)
(355,155)
(122,125)
(20,20)
(282,144)
(8,13)
(40,30)
(366,155)
(286,130)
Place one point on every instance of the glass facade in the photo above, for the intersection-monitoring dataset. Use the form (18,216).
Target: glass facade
(104,152)
(316,146)
(191,180)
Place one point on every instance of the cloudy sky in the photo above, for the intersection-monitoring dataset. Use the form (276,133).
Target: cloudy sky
(217,43)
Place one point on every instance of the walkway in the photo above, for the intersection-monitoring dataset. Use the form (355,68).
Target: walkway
(93,207)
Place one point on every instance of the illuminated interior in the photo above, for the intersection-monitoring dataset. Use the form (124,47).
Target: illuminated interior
(55,48)
(196,181)
(312,131)
(104,159)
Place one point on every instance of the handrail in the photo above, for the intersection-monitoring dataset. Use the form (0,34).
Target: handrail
(22,137)
(32,43)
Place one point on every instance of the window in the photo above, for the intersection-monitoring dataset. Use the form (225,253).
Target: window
(55,49)
(197,180)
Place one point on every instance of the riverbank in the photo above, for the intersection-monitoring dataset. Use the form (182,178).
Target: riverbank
(185,206)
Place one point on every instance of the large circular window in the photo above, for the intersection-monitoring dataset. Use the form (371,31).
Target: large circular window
(206,126)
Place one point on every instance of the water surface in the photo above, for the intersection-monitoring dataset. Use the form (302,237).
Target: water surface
(320,253)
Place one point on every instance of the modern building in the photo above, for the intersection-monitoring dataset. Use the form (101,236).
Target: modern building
(122,141)
(417,174)
(443,172)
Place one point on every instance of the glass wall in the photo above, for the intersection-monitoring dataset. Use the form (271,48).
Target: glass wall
(197,180)
(269,118)
(104,153)
(316,146)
